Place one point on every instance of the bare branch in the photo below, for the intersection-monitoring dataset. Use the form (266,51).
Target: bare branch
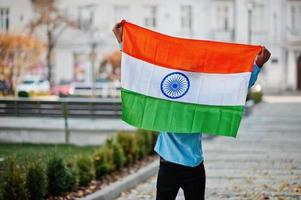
(55,23)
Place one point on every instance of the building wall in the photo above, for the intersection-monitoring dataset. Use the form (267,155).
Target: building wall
(20,12)
(224,20)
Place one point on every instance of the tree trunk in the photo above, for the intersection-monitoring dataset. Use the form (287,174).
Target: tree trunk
(49,65)
(49,57)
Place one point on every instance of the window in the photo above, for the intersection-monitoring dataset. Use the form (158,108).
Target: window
(223,23)
(258,18)
(120,12)
(186,18)
(222,17)
(4,19)
(295,16)
(86,17)
(150,19)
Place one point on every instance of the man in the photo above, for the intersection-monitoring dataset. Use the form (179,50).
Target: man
(181,156)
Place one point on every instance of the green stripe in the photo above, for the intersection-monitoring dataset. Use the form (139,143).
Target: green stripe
(162,115)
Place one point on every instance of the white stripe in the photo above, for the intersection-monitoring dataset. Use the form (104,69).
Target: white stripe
(205,88)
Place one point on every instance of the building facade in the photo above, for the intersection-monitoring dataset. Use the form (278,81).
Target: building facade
(275,24)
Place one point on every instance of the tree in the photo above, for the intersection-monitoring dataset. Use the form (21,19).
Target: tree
(114,61)
(17,53)
(50,18)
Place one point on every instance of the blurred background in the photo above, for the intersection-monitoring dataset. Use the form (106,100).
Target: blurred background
(60,106)
(66,48)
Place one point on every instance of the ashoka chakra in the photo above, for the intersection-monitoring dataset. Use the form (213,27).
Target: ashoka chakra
(175,85)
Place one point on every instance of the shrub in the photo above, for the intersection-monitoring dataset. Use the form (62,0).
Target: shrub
(256,96)
(23,94)
(255,93)
(59,176)
(154,136)
(103,161)
(129,145)
(72,166)
(149,140)
(119,158)
(84,168)
(142,144)
(36,182)
(14,182)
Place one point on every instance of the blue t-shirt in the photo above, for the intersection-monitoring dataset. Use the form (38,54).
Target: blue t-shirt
(186,149)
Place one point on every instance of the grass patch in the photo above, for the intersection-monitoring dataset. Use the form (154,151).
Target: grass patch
(27,152)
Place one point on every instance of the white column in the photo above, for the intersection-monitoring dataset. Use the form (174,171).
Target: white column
(241,29)
(292,70)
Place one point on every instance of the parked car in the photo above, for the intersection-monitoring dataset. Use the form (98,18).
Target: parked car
(32,86)
(103,89)
(62,90)
(2,87)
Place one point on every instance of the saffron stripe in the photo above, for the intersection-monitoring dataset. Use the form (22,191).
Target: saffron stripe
(187,54)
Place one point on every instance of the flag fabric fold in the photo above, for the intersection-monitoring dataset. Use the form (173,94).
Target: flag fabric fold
(183,85)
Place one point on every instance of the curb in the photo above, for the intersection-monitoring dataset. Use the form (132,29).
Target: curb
(115,189)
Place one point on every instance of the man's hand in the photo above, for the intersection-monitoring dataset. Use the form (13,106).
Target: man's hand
(263,56)
(117,30)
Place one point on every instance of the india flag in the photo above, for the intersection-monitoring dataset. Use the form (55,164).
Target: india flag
(183,85)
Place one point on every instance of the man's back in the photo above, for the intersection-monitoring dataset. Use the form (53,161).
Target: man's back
(186,148)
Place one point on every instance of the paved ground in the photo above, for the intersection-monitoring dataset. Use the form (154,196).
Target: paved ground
(264,162)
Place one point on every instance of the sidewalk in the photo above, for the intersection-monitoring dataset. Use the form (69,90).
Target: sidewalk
(263,162)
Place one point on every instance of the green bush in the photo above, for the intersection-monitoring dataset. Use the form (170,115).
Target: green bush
(72,166)
(103,161)
(129,144)
(36,182)
(149,139)
(23,94)
(118,153)
(154,140)
(85,170)
(59,176)
(14,182)
(256,96)
(142,144)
